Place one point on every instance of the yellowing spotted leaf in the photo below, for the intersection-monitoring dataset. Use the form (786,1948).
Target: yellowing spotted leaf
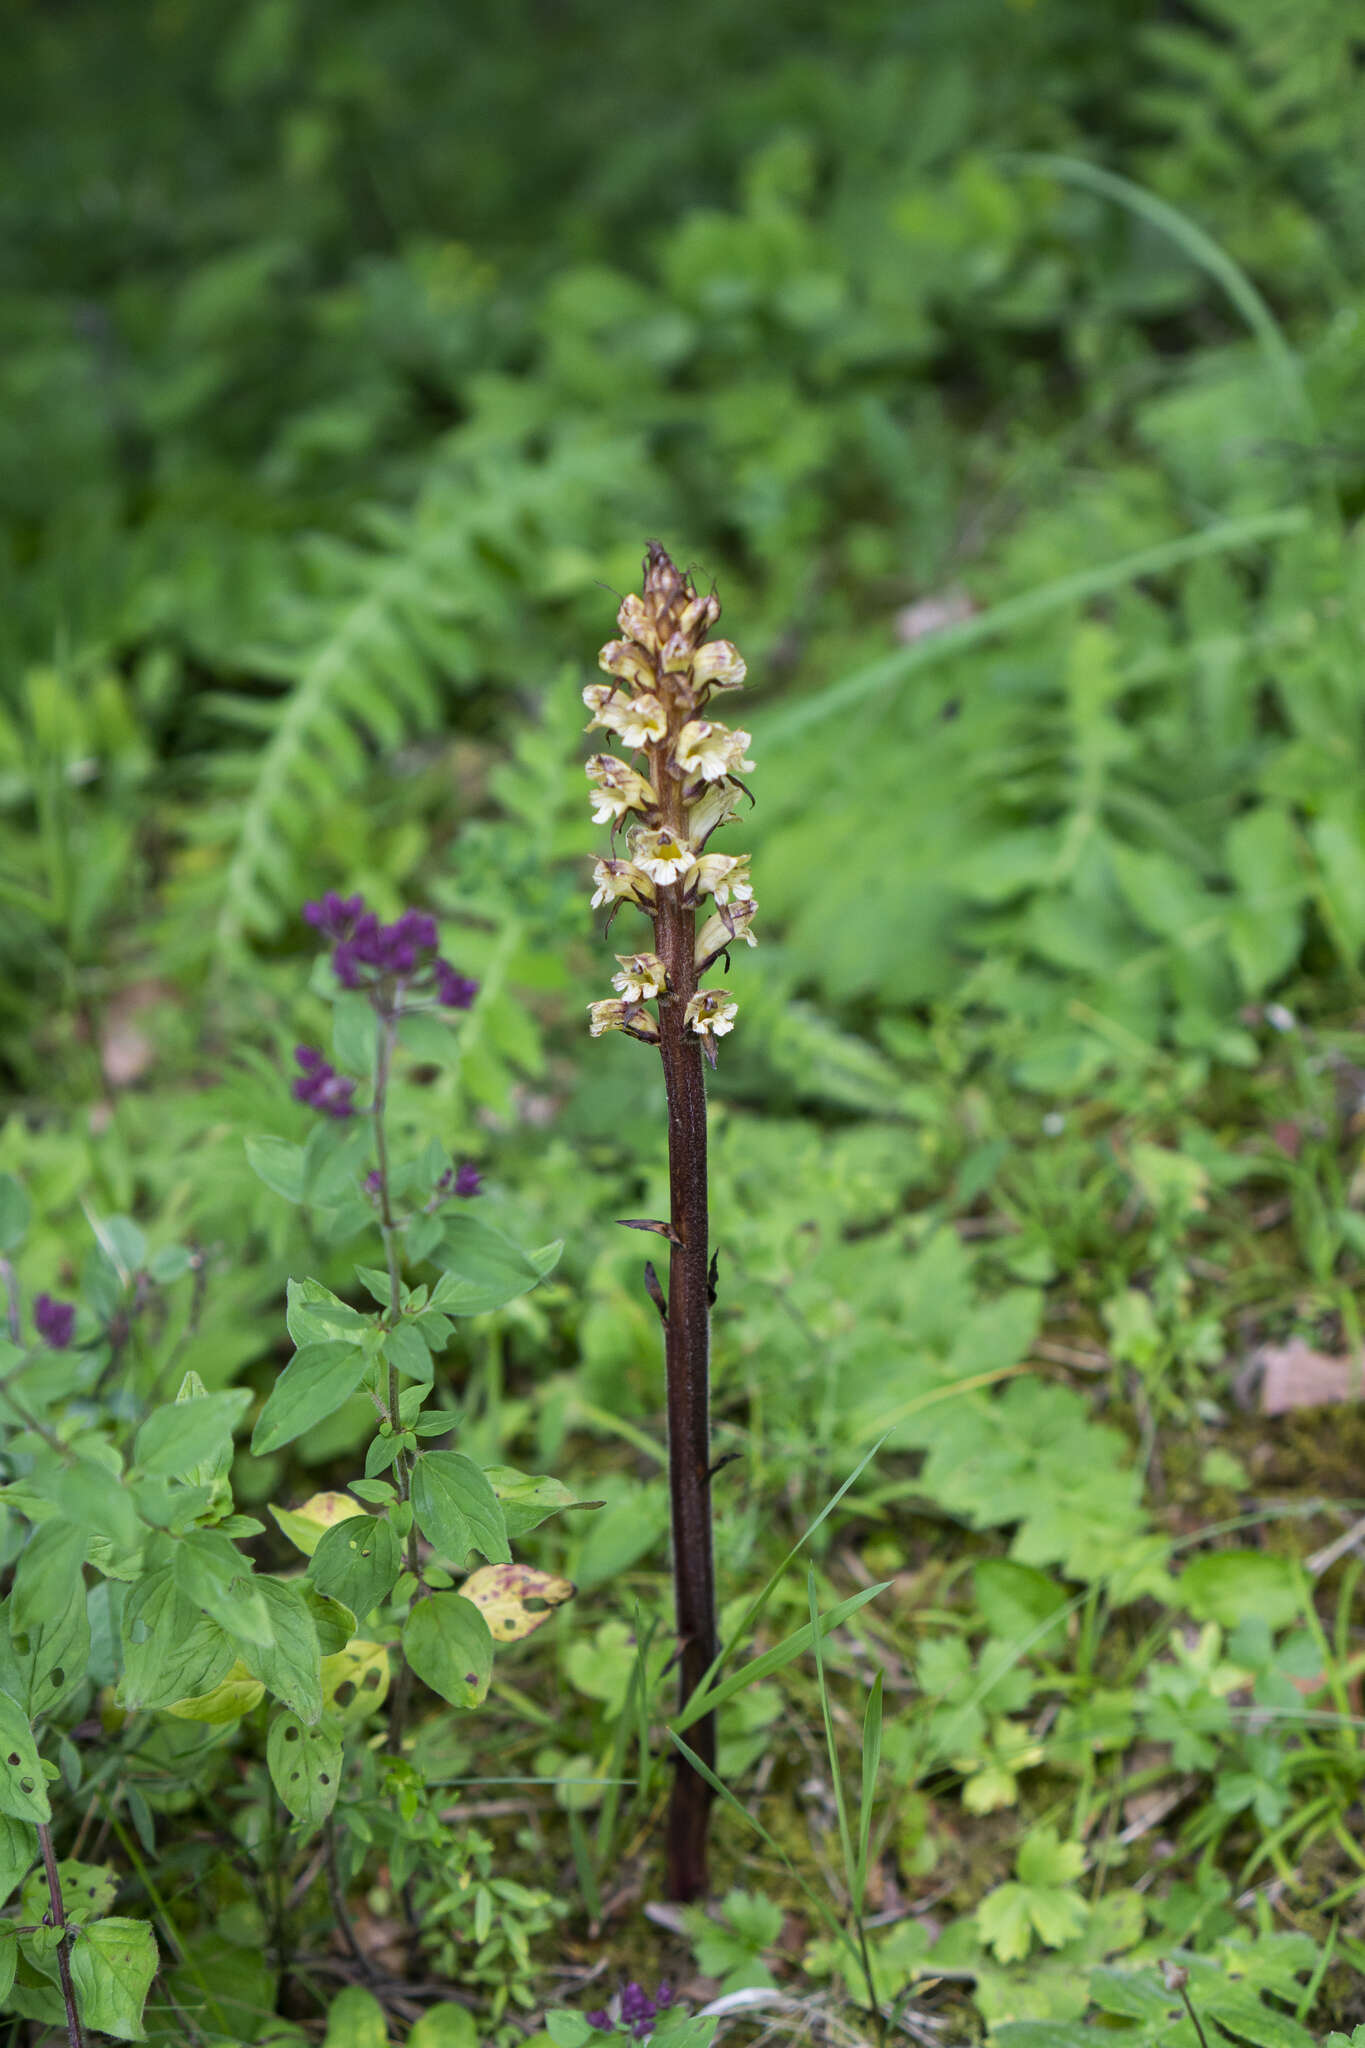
(515,1599)
(306,1526)
(355,1681)
(234,1695)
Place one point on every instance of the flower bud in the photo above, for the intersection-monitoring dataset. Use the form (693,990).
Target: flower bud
(726,928)
(630,661)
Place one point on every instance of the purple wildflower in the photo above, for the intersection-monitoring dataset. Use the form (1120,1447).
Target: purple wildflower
(334,915)
(637,2009)
(373,1181)
(468,1180)
(54,1321)
(321,1086)
(453,991)
(601,2019)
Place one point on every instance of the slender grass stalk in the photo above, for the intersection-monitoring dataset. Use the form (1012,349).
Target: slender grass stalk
(662,677)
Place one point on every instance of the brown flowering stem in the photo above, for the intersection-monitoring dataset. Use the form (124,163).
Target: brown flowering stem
(57,1911)
(687,1353)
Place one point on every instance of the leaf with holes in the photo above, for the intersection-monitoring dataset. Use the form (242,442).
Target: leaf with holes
(358,1562)
(112,1966)
(305,1766)
(449,1645)
(88,1891)
(456,1508)
(44,1661)
(23,1788)
(515,1599)
(355,1682)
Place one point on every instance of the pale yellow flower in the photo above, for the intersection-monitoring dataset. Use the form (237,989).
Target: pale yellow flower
(660,853)
(636,720)
(621,1016)
(727,928)
(619,789)
(711,751)
(620,881)
(720,665)
(722,875)
(711,1012)
(627,659)
(643,976)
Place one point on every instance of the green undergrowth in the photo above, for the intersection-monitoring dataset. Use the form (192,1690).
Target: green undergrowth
(1002,364)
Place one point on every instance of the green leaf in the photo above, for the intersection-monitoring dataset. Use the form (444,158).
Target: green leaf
(113,1963)
(772,1660)
(355,1031)
(1019,1604)
(290,1665)
(526,1501)
(48,1568)
(318,1379)
(91,1496)
(480,1269)
(88,1891)
(23,1788)
(42,1663)
(9,1960)
(334,1620)
(567,2029)
(358,1562)
(215,1576)
(170,1650)
(279,1164)
(305,1766)
(448,1644)
(404,1348)
(1232,1586)
(355,2020)
(18,1853)
(182,1435)
(456,1508)
(14,1213)
(314,1313)
(445,2026)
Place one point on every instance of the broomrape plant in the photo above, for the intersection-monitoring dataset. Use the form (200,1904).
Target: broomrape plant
(657,704)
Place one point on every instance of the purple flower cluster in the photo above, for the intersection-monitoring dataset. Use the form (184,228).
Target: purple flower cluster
(54,1321)
(464,1180)
(321,1086)
(633,2009)
(366,953)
